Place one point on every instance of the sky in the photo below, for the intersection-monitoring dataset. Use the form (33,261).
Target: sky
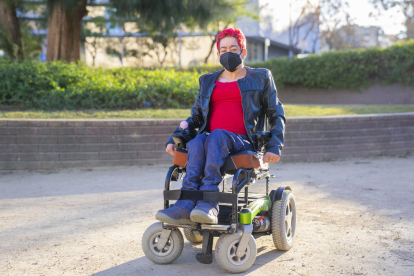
(390,21)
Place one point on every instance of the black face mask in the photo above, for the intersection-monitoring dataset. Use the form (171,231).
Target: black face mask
(230,61)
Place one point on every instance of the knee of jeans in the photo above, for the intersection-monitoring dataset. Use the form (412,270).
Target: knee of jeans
(217,133)
(197,141)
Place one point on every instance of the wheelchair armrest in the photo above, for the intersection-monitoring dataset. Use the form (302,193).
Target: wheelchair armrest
(183,137)
(181,140)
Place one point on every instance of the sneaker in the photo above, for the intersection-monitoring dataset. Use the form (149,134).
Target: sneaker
(174,215)
(205,212)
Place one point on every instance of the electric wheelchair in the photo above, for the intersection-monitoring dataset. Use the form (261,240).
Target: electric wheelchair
(242,218)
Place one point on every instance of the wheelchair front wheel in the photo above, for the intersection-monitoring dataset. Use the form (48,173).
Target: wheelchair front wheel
(225,253)
(284,221)
(191,237)
(171,251)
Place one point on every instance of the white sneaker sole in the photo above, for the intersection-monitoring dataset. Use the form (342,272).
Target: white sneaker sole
(202,217)
(164,218)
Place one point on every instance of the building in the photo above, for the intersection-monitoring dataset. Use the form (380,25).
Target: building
(355,36)
(387,40)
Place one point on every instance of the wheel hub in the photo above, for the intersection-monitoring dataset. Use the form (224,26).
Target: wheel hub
(154,245)
(233,258)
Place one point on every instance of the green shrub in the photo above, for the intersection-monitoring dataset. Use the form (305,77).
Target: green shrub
(60,85)
(341,69)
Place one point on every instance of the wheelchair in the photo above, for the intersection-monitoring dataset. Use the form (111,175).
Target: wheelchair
(243,216)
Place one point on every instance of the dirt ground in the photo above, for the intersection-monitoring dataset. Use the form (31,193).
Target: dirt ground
(355,217)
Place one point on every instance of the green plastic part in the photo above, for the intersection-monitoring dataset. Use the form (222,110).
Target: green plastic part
(260,205)
(245,216)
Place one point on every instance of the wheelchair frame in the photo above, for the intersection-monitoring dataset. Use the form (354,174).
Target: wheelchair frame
(238,216)
(252,206)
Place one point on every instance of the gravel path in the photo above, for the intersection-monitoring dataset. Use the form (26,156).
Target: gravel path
(355,218)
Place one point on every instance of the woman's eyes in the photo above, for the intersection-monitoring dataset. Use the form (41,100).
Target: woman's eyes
(231,50)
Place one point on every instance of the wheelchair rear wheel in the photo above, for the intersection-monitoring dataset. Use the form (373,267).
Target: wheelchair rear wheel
(191,237)
(172,249)
(284,221)
(225,253)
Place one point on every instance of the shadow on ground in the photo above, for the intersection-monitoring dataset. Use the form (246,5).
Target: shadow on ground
(187,263)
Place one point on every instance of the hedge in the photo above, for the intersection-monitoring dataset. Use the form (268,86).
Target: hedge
(342,69)
(347,69)
(70,86)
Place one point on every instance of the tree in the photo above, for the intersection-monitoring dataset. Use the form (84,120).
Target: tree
(406,7)
(15,33)
(226,13)
(307,20)
(331,16)
(64,29)
(94,32)
(123,48)
(409,24)
(158,20)
(10,28)
(165,15)
(162,19)
(345,38)
(161,47)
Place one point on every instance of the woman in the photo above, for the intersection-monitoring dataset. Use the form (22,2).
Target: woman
(226,112)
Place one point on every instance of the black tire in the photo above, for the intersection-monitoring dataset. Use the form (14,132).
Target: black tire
(284,221)
(191,237)
(226,250)
(170,252)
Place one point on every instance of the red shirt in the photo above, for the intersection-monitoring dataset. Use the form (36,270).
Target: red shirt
(226,108)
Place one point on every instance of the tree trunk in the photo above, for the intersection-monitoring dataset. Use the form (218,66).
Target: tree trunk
(63,33)
(213,42)
(11,29)
(409,24)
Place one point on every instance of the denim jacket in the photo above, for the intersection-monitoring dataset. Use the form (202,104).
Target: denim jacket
(259,97)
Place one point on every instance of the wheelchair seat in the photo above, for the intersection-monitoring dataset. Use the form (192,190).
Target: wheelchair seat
(245,159)
(180,157)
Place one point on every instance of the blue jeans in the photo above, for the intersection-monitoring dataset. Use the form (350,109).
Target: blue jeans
(206,155)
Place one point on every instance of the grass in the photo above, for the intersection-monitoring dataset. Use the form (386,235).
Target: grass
(331,110)
(290,110)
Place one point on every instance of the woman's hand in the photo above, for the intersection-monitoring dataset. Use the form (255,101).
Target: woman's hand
(271,157)
(170,149)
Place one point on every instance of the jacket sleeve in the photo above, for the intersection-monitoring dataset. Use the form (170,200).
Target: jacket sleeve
(196,119)
(276,115)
